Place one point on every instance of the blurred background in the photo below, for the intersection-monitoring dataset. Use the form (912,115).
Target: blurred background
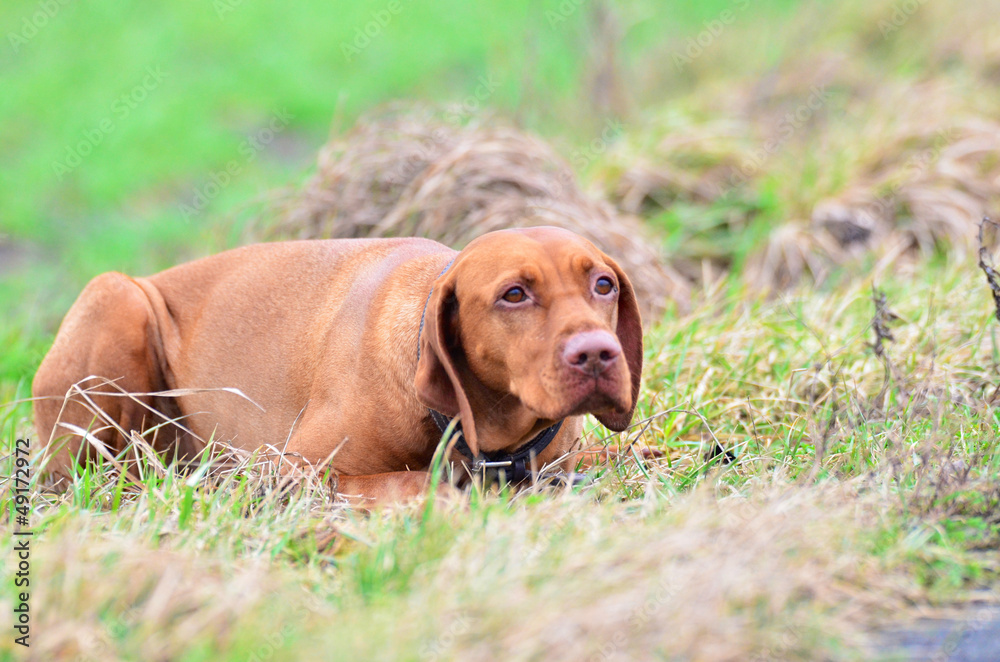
(795,188)
(765,143)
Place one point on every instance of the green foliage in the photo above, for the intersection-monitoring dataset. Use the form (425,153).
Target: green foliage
(842,469)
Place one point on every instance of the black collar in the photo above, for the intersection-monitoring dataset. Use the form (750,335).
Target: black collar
(514,466)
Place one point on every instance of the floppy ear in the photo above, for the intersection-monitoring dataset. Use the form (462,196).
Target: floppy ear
(437,383)
(630,338)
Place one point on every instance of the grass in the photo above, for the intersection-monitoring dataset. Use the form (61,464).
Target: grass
(861,490)
(856,137)
(122,207)
(813,535)
(226,73)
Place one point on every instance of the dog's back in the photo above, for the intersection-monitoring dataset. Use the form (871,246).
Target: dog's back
(261,319)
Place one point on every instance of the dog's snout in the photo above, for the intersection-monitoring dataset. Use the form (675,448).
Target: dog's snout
(591,352)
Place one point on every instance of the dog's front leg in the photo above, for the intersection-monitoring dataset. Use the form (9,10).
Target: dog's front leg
(388,488)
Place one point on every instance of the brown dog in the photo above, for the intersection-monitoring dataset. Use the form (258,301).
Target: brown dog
(521,330)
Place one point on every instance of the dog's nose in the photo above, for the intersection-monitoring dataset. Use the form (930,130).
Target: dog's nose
(591,352)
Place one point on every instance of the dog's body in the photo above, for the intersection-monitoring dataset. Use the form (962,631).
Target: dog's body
(323,337)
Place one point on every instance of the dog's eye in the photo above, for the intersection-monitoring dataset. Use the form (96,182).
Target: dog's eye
(604,285)
(514,295)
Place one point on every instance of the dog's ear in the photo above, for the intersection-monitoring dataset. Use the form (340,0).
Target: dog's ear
(437,381)
(629,332)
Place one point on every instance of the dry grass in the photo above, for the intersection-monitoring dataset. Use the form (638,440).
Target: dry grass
(416,173)
(763,375)
(790,573)
(860,483)
(837,155)
(777,572)
(850,502)
(837,152)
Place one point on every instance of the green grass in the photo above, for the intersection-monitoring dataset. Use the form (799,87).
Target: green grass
(890,506)
(226,73)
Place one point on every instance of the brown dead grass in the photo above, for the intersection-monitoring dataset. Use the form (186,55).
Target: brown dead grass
(887,164)
(747,565)
(414,173)
(786,574)
(880,165)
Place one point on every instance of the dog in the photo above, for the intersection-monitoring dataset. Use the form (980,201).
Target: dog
(355,354)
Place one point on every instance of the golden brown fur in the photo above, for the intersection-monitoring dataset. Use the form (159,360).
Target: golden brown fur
(322,336)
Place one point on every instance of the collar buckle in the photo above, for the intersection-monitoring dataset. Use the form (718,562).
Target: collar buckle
(511,467)
(481,464)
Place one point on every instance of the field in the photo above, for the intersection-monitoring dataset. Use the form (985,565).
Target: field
(814,471)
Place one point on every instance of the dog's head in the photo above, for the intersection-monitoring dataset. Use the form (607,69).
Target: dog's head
(540,315)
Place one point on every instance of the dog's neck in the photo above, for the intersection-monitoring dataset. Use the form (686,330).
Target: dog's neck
(502,421)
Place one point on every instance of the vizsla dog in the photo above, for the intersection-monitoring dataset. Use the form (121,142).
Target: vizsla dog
(357,352)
